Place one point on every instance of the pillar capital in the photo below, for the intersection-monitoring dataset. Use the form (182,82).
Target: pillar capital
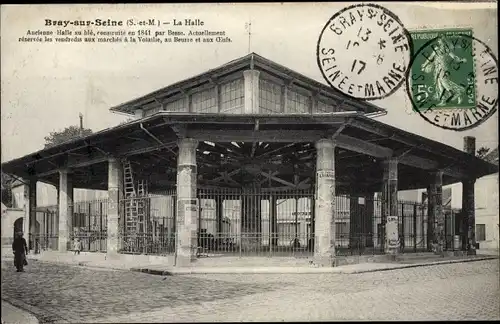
(436,177)
(325,143)
(325,157)
(187,143)
(392,161)
(64,171)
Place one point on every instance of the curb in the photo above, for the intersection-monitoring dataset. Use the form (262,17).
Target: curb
(296,270)
(41,315)
(75,264)
(263,270)
(427,264)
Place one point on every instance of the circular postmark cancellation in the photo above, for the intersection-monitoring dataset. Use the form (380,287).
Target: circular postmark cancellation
(452,81)
(364,52)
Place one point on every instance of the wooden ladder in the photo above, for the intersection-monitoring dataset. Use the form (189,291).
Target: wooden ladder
(131,206)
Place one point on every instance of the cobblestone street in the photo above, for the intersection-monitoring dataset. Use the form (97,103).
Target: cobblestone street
(60,293)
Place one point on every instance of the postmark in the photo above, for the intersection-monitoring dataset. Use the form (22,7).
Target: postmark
(364,51)
(452,81)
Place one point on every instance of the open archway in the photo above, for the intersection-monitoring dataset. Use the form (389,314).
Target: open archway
(18,226)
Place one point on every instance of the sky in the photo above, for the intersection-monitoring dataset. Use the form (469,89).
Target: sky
(44,86)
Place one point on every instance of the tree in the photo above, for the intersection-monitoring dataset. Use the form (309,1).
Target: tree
(482,152)
(7,189)
(67,134)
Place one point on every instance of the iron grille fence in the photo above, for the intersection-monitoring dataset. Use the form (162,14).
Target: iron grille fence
(90,225)
(255,222)
(248,222)
(148,224)
(47,229)
(281,222)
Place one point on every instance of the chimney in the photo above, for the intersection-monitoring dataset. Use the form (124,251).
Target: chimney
(470,145)
(81,124)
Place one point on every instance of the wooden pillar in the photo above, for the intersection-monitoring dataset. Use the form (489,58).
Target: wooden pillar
(390,207)
(436,216)
(468,197)
(273,219)
(368,218)
(310,244)
(354,223)
(219,209)
(33,233)
(251,223)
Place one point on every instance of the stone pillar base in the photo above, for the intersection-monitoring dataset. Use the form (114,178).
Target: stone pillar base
(324,261)
(184,261)
(112,256)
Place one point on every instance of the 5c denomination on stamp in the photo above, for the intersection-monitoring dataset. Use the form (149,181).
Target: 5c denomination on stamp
(364,52)
(453,79)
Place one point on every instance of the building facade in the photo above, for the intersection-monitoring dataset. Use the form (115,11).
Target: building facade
(253,147)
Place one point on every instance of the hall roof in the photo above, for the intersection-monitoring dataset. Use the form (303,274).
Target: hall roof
(250,61)
(154,138)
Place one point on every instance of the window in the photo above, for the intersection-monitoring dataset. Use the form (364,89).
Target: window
(321,107)
(270,97)
(151,111)
(178,105)
(204,101)
(232,97)
(297,103)
(480,232)
(481,198)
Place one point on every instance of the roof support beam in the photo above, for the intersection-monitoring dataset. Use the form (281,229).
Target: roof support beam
(74,161)
(360,146)
(282,136)
(363,147)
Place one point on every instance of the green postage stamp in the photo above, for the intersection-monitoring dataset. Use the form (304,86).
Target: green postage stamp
(442,74)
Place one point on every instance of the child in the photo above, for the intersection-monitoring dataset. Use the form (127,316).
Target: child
(77,246)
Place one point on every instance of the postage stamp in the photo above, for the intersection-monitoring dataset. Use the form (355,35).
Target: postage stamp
(364,51)
(452,81)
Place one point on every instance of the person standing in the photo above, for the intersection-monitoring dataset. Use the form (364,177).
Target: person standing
(20,250)
(77,246)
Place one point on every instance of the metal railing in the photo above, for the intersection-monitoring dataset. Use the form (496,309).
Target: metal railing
(154,229)
(249,222)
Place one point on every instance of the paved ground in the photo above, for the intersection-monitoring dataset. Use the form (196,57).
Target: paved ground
(14,315)
(63,293)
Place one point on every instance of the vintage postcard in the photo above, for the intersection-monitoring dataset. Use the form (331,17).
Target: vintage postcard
(249,162)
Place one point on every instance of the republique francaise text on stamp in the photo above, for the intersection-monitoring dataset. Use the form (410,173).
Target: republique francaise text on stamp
(452,81)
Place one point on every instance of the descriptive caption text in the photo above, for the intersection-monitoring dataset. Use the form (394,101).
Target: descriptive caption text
(189,30)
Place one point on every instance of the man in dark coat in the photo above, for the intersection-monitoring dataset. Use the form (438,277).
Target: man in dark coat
(20,249)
